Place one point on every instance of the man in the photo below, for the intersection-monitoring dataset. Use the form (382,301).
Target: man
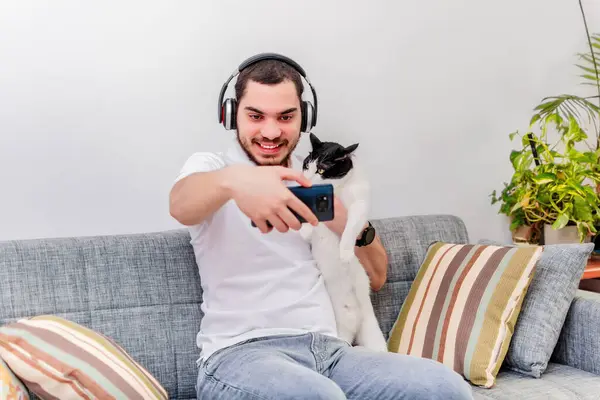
(268,330)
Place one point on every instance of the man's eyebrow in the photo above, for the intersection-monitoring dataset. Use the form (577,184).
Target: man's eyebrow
(289,110)
(256,110)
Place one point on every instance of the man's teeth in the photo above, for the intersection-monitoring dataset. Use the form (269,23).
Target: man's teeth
(269,147)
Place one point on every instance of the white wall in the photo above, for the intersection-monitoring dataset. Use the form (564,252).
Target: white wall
(102,102)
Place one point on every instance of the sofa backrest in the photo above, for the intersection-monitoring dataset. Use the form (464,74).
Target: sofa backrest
(143,290)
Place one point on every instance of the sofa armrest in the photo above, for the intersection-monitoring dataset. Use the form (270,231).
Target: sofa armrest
(579,342)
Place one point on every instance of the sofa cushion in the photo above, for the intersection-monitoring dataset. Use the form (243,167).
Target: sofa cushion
(462,307)
(579,342)
(141,290)
(545,307)
(559,382)
(10,386)
(406,240)
(58,358)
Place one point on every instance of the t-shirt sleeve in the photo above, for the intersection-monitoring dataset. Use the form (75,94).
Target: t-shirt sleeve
(200,162)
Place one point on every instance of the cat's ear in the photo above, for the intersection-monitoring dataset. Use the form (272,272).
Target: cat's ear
(314,141)
(351,148)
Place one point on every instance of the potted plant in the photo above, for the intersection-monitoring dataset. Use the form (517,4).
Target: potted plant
(553,193)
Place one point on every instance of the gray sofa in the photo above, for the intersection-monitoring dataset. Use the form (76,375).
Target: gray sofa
(143,290)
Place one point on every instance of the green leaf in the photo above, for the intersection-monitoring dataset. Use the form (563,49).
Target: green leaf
(584,229)
(561,221)
(512,135)
(516,207)
(565,105)
(587,69)
(581,209)
(525,161)
(514,155)
(589,157)
(575,133)
(534,119)
(555,153)
(545,178)
(577,156)
(545,105)
(588,58)
(589,77)
(515,224)
(590,191)
(527,140)
(544,198)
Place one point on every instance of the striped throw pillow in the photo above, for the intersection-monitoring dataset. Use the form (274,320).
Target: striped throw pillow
(59,359)
(10,386)
(463,305)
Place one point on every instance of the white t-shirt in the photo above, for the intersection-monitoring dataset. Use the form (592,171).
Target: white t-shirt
(254,284)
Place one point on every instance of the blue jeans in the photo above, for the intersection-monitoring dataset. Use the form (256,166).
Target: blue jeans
(314,366)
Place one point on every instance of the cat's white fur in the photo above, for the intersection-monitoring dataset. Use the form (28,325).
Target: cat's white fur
(346,280)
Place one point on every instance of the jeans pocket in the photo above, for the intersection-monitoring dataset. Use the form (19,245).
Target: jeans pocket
(209,364)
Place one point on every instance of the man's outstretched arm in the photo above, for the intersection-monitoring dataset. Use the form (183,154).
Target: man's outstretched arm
(259,192)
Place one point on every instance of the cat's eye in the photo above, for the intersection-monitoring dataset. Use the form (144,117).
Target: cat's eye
(320,171)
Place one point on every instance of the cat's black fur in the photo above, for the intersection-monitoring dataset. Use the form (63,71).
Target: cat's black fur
(332,159)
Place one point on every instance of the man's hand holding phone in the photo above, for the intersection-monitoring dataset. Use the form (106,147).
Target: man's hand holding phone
(260,193)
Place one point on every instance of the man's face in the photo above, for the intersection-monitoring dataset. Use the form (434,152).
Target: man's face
(268,122)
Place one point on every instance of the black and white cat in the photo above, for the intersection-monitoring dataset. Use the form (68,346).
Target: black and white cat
(346,280)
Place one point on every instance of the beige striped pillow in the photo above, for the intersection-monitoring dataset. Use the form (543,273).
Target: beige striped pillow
(463,305)
(10,386)
(57,358)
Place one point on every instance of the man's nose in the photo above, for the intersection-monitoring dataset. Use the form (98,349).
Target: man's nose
(271,130)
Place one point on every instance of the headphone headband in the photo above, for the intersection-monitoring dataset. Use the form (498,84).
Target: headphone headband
(261,57)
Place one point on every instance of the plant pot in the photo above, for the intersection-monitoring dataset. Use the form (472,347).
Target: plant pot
(527,234)
(568,234)
(523,234)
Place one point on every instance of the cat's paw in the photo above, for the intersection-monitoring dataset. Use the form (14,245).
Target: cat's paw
(346,255)
(306,232)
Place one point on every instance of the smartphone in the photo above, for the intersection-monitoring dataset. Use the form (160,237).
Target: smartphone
(318,198)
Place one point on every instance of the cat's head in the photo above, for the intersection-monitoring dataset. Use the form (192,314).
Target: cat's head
(328,160)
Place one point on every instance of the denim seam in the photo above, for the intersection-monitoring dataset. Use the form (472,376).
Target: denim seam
(313,350)
(230,386)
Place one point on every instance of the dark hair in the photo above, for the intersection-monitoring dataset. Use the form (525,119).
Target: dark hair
(268,72)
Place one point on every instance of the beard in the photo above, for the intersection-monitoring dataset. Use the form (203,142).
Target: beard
(269,160)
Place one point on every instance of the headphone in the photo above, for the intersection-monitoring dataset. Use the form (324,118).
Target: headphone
(228,108)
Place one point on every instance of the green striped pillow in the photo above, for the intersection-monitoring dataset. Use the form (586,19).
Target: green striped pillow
(57,358)
(463,305)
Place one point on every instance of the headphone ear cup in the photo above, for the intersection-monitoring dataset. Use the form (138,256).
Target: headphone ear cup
(233,114)
(308,116)
(229,112)
(304,116)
